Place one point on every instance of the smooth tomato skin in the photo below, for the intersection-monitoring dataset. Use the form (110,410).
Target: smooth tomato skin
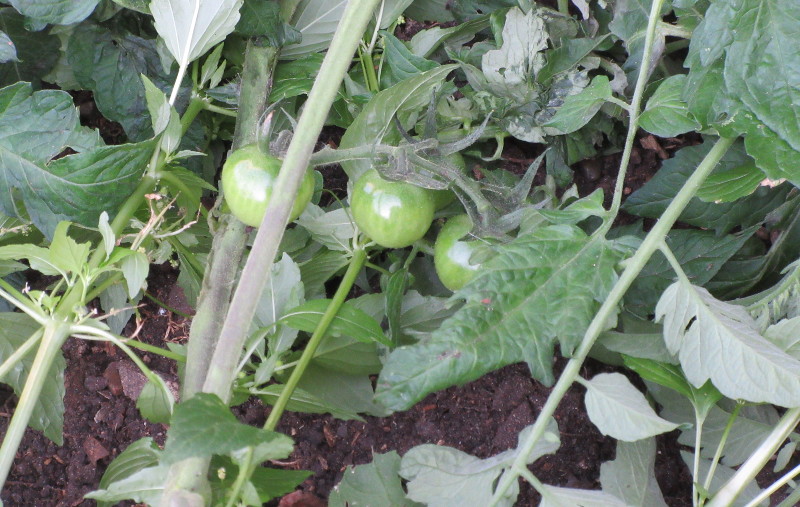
(393,214)
(442,198)
(451,256)
(248,178)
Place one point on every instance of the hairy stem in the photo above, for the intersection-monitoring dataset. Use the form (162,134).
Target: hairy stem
(633,267)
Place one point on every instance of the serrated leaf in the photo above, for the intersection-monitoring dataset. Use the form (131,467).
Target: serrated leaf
(349,321)
(666,114)
(619,410)
(56,12)
(631,476)
(375,483)
(76,188)
(543,286)
(373,124)
(653,198)
(720,341)
(400,63)
(48,413)
(204,426)
(578,109)
(441,476)
(192,27)
(143,453)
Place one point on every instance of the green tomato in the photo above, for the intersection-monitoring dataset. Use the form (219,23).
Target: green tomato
(248,178)
(442,198)
(451,255)
(393,213)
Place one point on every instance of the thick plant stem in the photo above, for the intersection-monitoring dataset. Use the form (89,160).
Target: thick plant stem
(187,479)
(256,271)
(356,263)
(55,334)
(750,468)
(633,267)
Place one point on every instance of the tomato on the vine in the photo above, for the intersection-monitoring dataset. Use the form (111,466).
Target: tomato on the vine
(393,214)
(451,255)
(248,178)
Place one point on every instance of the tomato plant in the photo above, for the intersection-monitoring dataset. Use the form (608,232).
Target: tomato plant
(451,254)
(248,178)
(394,214)
(442,198)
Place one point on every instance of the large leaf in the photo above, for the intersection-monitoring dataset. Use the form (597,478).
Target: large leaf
(630,25)
(192,27)
(48,413)
(316,20)
(542,287)
(376,483)
(653,198)
(111,64)
(57,12)
(666,114)
(441,476)
(373,124)
(399,62)
(720,341)
(143,453)
(76,188)
(631,476)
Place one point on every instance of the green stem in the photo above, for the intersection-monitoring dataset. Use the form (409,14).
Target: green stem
(256,271)
(720,447)
(146,347)
(245,471)
(166,306)
(54,335)
(20,352)
(698,435)
(196,105)
(219,110)
(368,67)
(349,278)
(775,486)
(635,108)
(633,267)
(563,7)
(750,468)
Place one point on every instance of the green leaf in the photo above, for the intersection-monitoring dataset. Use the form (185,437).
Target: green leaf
(307,403)
(578,109)
(190,28)
(57,12)
(731,184)
(111,64)
(144,486)
(342,392)
(376,483)
(399,62)
(136,5)
(722,474)
(284,290)
(48,414)
(374,122)
(295,77)
(319,269)
(395,288)
(542,286)
(630,25)
(666,114)
(667,375)
(262,18)
(701,254)
(619,410)
(349,321)
(155,402)
(333,229)
(346,354)
(143,453)
(204,426)
(8,52)
(555,496)
(631,476)
(316,20)
(76,188)
(36,125)
(67,253)
(37,52)
(653,198)
(157,105)
(446,477)
(720,341)
(425,42)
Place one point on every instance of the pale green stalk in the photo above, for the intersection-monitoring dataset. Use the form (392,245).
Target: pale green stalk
(633,267)
(256,272)
(54,336)
(750,468)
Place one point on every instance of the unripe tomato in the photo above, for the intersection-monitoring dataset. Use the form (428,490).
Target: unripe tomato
(442,198)
(248,178)
(451,255)
(393,214)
